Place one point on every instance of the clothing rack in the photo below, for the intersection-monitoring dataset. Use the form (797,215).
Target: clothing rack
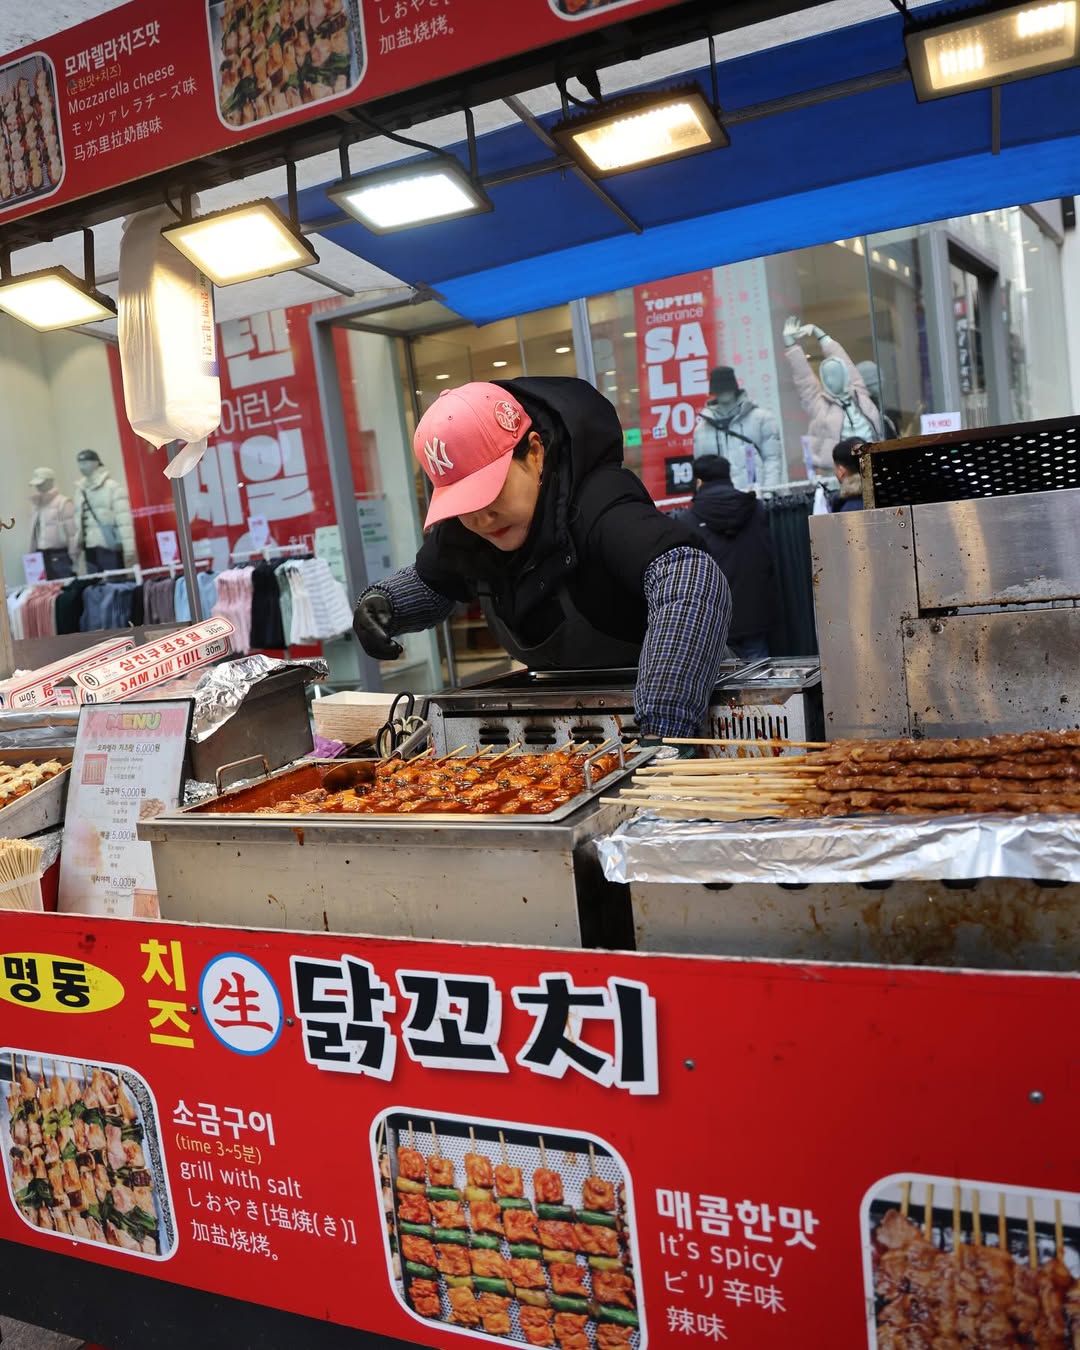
(268,551)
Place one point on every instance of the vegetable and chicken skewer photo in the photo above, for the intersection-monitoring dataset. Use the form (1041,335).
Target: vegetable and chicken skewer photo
(76,1158)
(550,1268)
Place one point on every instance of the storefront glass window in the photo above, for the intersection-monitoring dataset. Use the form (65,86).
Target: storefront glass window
(534,344)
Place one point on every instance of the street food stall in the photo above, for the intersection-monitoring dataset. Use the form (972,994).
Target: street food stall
(612,1059)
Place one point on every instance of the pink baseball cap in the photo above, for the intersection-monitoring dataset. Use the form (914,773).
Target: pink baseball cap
(465,443)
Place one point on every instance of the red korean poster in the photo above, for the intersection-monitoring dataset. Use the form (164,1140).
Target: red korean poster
(532,1147)
(267,461)
(156,83)
(676,346)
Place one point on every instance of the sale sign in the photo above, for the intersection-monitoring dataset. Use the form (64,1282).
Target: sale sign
(582,1149)
(156,83)
(676,340)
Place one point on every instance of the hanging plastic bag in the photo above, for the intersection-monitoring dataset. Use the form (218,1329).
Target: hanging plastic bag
(168,346)
(821,502)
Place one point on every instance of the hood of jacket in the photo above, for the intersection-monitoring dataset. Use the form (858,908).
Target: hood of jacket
(723,508)
(592,431)
(96,481)
(581,432)
(851,486)
(721,417)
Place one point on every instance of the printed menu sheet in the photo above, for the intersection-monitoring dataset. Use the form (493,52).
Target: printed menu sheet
(128,766)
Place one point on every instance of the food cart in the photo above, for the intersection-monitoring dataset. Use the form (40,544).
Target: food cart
(376,1082)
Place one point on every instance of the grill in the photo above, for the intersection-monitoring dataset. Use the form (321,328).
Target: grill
(542,709)
(989,462)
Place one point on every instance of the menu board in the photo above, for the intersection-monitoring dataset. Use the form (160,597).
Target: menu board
(128,766)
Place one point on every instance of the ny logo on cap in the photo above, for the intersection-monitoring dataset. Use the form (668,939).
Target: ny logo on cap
(438,460)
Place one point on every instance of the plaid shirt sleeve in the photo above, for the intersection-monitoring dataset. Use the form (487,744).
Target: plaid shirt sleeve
(689,607)
(416,606)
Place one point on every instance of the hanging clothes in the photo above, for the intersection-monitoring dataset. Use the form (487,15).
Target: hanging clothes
(233,602)
(207,582)
(320,607)
(795,631)
(267,629)
(107,604)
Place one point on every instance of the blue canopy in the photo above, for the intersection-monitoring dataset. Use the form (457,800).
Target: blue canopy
(871,161)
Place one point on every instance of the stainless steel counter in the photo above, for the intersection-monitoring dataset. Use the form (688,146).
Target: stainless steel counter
(514,881)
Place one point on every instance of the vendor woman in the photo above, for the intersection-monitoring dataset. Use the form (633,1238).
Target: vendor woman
(534,516)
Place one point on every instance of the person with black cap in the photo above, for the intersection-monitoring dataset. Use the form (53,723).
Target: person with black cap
(736,532)
(731,424)
(103,512)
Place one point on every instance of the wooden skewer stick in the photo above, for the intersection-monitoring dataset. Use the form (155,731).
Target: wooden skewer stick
(565,749)
(773,745)
(976,1219)
(735,768)
(929,1211)
(543,1154)
(1003,1229)
(502,1145)
(509,750)
(1033,1250)
(592,1158)
(412,1137)
(472,1138)
(451,754)
(434,1142)
(905,1198)
(1059,1231)
(699,811)
(957,1236)
(480,753)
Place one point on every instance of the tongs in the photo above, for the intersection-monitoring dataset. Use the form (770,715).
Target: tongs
(404,730)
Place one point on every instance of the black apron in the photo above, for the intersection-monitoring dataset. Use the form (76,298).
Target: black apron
(574,644)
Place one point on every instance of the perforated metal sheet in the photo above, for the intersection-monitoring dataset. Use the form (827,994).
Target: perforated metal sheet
(989,462)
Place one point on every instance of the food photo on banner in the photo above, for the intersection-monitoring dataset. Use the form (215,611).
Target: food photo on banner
(157,83)
(550,1148)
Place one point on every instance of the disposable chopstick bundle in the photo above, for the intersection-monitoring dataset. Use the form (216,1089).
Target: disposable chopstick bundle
(20,875)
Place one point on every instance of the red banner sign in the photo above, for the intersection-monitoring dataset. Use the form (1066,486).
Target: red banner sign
(156,83)
(676,347)
(536,1147)
(266,462)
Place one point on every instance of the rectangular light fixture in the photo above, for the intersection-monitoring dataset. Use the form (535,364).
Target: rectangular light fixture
(407,195)
(242,243)
(53,298)
(992,47)
(641,129)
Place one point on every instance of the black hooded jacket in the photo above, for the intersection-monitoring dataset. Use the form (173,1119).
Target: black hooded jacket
(734,528)
(595,531)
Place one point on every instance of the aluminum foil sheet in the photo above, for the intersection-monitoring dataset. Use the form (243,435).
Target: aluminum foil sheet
(870,848)
(49,728)
(223,688)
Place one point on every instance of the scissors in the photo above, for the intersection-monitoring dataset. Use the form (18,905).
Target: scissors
(403,729)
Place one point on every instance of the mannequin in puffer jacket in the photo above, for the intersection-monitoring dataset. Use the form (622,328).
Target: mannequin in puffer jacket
(733,426)
(103,516)
(53,532)
(836,399)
